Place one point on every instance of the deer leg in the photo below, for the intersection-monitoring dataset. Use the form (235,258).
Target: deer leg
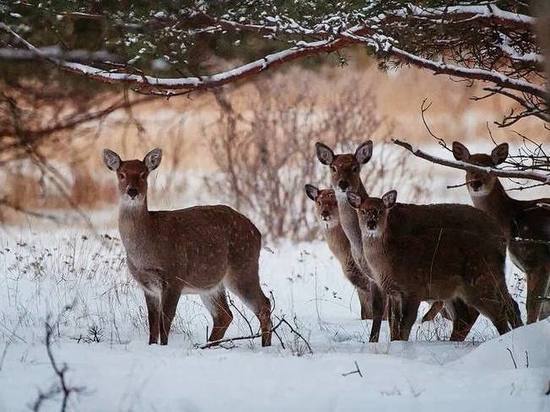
(436,307)
(153,315)
(463,316)
(216,303)
(512,310)
(491,305)
(366,310)
(247,288)
(395,315)
(410,312)
(545,306)
(363,286)
(169,302)
(377,298)
(536,288)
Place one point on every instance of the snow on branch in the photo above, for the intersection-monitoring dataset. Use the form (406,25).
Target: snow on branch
(470,73)
(489,12)
(142,81)
(369,32)
(8,53)
(369,36)
(518,174)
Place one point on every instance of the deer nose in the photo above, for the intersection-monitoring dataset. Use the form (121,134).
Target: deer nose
(132,192)
(371,225)
(325,215)
(343,184)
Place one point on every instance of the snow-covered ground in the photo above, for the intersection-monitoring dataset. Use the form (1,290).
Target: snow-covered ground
(102,337)
(102,340)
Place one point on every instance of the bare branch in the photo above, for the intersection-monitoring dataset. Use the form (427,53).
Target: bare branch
(518,174)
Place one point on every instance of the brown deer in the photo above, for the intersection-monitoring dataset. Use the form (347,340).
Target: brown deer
(202,250)
(345,172)
(519,219)
(326,210)
(412,263)
(345,175)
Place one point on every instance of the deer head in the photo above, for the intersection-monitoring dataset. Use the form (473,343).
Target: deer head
(132,174)
(326,207)
(480,183)
(372,212)
(345,169)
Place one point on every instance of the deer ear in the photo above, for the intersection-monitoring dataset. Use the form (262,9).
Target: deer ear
(499,153)
(111,159)
(364,152)
(389,199)
(324,153)
(311,191)
(354,199)
(461,152)
(152,159)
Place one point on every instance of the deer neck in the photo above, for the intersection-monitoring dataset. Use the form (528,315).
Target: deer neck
(133,221)
(337,241)
(498,205)
(350,223)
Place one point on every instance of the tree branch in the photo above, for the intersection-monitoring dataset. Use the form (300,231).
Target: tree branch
(518,174)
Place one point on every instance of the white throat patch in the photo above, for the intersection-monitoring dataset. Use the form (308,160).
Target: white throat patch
(478,193)
(129,203)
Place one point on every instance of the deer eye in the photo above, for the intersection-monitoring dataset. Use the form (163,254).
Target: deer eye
(143,175)
(355,169)
(333,169)
(122,175)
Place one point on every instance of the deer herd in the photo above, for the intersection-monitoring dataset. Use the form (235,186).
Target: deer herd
(395,254)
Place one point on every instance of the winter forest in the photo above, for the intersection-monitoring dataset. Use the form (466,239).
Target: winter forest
(274,205)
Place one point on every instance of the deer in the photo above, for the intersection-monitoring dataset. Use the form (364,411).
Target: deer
(525,224)
(200,250)
(412,263)
(345,176)
(326,211)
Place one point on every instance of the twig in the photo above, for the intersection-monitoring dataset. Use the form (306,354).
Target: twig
(460,185)
(520,174)
(232,304)
(60,370)
(357,371)
(298,334)
(423,109)
(280,322)
(231,340)
(512,356)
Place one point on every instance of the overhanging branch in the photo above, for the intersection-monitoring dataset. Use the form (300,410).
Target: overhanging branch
(518,174)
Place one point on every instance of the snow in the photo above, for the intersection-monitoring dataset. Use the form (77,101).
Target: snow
(43,271)
(489,10)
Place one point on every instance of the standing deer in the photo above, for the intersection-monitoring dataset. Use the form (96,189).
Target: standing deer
(412,263)
(326,210)
(202,250)
(345,175)
(518,219)
(345,172)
